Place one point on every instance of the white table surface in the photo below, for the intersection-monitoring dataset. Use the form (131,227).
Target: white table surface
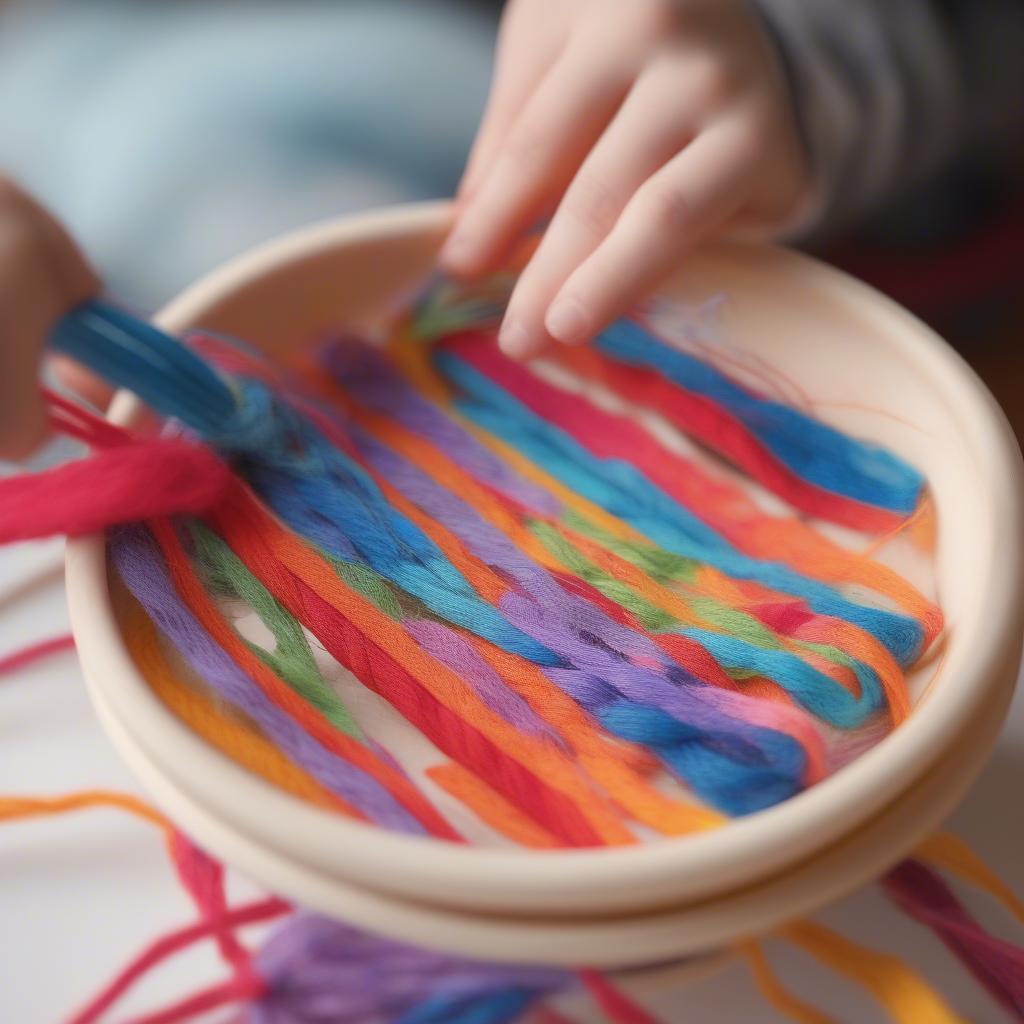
(81,894)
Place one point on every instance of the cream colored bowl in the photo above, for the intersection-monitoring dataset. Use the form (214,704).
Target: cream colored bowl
(876,372)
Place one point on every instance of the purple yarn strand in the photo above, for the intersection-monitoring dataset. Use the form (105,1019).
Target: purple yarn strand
(591,641)
(368,376)
(448,647)
(141,567)
(319,970)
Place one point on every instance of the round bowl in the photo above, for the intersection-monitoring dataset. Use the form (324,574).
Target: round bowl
(873,370)
(609,941)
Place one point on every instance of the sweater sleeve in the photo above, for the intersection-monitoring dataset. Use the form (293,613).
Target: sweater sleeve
(888,92)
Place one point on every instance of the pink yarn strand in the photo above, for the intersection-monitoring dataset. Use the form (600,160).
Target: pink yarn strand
(26,656)
(168,945)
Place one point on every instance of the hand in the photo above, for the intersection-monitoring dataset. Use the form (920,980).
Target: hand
(646,125)
(42,276)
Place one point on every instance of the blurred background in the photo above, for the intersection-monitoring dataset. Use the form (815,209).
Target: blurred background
(172,134)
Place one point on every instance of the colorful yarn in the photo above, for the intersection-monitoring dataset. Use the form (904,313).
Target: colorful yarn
(995,964)
(626,494)
(826,459)
(229,734)
(566,607)
(595,632)
(329,756)
(316,969)
(313,968)
(877,657)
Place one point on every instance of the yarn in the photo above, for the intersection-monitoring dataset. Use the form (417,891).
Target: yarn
(246,746)
(22,658)
(567,608)
(996,964)
(946,851)
(12,807)
(774,992)
(598,635)
(825,458)
(612,1000)
(140,480)
(314,969)
(348,770)
(904,995)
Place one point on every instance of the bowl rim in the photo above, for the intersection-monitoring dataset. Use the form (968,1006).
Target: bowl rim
(607,878)
(631,941)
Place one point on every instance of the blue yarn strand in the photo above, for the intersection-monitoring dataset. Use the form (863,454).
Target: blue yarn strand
(502,1007)
(625,492)
(130,353)
(833,461)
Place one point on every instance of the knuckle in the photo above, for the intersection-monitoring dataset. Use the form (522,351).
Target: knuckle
(592,203)
(711,81)
(752,140)
(665,206)
(526,147)
(754,150)
(654,19)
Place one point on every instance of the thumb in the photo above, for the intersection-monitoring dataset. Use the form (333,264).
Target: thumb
(43,274)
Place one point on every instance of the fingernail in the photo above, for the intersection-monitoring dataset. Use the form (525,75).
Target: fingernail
(567,321)
(514,339)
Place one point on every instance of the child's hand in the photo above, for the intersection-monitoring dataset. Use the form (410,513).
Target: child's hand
(649,124)
(42,276)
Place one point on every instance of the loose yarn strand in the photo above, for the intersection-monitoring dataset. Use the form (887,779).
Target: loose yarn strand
(952,854)
(774,992)
(25,656)
(997,965)
(17,807)
(905,996)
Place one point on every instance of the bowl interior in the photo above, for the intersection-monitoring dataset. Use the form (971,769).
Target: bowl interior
(871,369)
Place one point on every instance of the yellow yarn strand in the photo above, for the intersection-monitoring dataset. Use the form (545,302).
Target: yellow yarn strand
(774,992)
(906,997)
(952,854)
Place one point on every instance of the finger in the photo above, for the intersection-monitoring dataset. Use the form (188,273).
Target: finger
(42,276)
(633,147)
(520,62)
(538,157)
(692,195)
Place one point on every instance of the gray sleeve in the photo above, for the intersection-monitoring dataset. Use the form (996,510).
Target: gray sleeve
(888,92)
